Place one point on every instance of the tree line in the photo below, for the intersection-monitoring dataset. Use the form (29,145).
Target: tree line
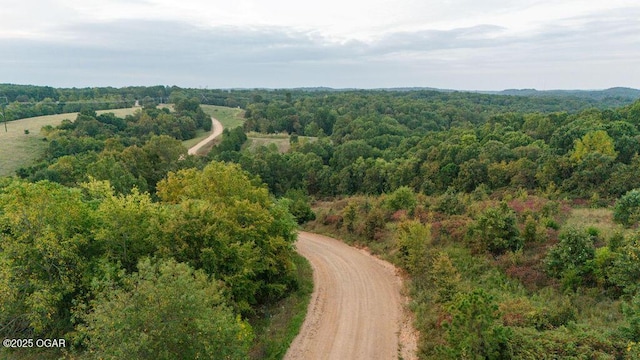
(471,194)
(124,245)
(374,144)
(480,204)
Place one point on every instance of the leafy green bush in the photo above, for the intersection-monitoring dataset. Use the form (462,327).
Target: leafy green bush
(474,332)
(625,271)
(450,203)
(564,343)
(298,204)
(414,239)
(631,311)
(495,231)
(403,198)
(627,209)
(570,256)
(165,311)
(374,222)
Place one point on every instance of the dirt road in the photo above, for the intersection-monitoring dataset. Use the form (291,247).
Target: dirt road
(216,130)
(356,310)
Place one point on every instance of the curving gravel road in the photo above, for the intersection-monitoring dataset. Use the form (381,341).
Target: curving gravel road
(216,130)
(356,310)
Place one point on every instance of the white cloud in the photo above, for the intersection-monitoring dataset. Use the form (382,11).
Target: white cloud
(460,44)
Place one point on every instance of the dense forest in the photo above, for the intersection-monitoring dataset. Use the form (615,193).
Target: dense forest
(514,217)
(124,246)
(514,221)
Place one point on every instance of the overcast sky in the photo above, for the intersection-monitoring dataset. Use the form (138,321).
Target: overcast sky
(453,44)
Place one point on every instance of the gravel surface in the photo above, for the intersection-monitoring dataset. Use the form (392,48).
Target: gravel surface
(357,310)
(216,130)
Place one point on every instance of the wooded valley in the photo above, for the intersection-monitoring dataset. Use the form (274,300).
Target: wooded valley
(513,217)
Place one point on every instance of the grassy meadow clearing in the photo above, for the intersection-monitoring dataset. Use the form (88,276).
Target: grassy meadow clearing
(21,143)
(281,141)
(229,117)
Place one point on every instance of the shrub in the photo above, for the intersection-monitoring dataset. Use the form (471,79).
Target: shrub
(374,223)
(349,214)
(495,230)
(631,311)
(450,203)
(298,204)
(627,209)
(625,271)
(474,332)
(414,239)
(403,198)
(570,256)
(166,311)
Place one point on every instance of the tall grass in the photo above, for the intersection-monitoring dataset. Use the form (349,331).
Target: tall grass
(600,218)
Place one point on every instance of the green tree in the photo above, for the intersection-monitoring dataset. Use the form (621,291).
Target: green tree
(495,230)
(472,173)
(298,204)
(414,240)
(626,268)
(166,310)
(631,311)
(444,277)
(403,198)
(128,227)
(349,215)
(164,154)
(570,256)
(474,332)
(596,141)
(627,209)
(107,167)
(44,254)
(242,234)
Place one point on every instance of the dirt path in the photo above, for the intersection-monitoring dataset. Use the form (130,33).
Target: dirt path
(216,130)
(356,310)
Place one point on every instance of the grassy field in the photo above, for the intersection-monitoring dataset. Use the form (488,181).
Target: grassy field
(281,140)
(256,140)
(17,148)
(229,117)
(200,134)
(600,218)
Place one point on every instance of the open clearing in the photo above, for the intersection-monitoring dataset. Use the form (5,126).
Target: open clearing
(281,141)
(18,149)
(256,140)
(229,118)
(600,218)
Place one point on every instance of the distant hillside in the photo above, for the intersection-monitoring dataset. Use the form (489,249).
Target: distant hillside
(616,92)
